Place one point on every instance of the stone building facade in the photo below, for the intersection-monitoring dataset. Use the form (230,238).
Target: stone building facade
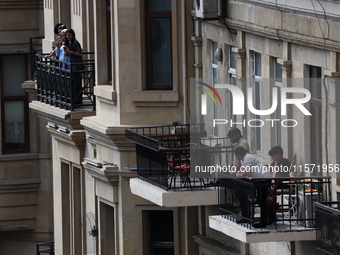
(148,56)
(26,174)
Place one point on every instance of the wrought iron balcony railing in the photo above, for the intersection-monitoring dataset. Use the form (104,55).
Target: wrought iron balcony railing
(166,155)
(35,48)
(68,87)
(290,200)
(45,248)
(328,227)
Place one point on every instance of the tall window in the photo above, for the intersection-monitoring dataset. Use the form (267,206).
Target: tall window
(316,119)
(158,44)
(214,64)
(231,80)
(15,133)
(71,208)
(107,229)
(108,41)
(256,68)
(278,85)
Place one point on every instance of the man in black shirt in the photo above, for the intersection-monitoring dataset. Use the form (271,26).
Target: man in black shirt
(279,163)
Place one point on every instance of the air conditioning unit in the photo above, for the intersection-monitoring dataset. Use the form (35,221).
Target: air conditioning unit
(305,208)
(206,9)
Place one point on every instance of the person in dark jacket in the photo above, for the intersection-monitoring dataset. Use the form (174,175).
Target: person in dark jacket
(73,50)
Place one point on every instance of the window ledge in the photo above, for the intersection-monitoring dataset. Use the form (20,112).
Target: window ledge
(155,98)
(106,94)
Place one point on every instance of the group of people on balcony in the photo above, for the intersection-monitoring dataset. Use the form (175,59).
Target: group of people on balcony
(249,166)
(68,50)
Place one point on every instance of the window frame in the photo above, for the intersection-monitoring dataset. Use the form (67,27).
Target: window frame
(148,45)
(278,128)
(5,99)
(257,102)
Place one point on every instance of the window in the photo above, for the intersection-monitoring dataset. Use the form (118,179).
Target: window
(107,229)
(316,119)
(108,41)
(71,208)
(158,44)
(278,85)
(15,132)
(214,64)
(256,73)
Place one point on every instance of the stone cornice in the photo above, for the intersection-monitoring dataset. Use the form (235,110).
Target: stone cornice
(5,5)
(288,36)
(75,139)
(19,185)
(108,173)
(290,9)
(66,118)
(108,133)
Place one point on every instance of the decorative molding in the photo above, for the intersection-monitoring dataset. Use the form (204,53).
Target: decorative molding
(61,117)
(5,5)
(108,173)
(290,9)
(106,94)
(75,138)
(155,98)
(278,34)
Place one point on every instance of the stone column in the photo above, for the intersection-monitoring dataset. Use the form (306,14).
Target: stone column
(195,109)
(287,133)
(331,135)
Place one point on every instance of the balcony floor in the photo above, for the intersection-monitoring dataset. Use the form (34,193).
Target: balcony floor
(178,198)
(283,232)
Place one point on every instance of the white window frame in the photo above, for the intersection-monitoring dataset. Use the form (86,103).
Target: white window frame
(257,103)
(278,128)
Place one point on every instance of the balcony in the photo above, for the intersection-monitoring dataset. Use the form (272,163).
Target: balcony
(65,91)
(328,231)
(164,155)
(290,200)
(66,88)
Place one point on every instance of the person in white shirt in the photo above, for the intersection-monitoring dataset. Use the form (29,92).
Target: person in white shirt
(237,139)
(252,167)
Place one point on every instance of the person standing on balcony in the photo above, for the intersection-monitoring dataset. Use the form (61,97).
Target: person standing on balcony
(60,51)
(57,30)
(73,50)
(237,139)
(252,167)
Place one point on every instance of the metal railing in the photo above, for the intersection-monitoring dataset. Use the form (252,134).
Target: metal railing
(45,248)
(69,87)
(35,48)
(166,155)
(288,202)
(328,227)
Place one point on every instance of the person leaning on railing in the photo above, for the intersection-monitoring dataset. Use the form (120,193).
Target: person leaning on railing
(57,30)
(252,167)
(60,51)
